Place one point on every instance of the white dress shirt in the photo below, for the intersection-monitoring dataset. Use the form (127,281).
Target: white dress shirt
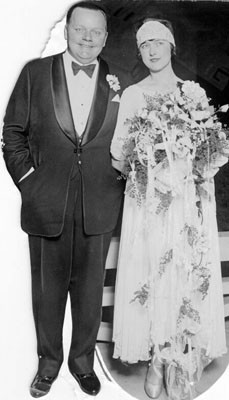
(81,90)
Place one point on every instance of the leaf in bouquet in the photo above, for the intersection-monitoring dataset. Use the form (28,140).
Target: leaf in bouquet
(218,160)
(186,310)
(165,260)
(165,200)
(159,146)
(185,117)
(225,151)
(159,155)
(128,147)
(192,234)
(197,174)
(209,123)
(224,108)
(200,115)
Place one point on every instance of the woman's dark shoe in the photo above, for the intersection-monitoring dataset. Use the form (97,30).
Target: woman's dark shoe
(89,383)
(41,385)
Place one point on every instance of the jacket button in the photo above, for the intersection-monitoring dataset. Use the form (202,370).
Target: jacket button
(79,162)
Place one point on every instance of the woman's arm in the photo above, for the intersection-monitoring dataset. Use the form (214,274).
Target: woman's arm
(126,110)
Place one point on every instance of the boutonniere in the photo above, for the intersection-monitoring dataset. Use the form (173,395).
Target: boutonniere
(113,82)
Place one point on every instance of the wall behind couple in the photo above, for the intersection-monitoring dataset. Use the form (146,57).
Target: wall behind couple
(201,30)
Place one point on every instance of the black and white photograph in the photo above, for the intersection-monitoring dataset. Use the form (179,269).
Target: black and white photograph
(114,199)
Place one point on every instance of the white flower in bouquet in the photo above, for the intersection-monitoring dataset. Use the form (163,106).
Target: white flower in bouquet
(182,147)
(178,98)
(143,113)
(152,116)
(164,108)
(194,92)
(222,135)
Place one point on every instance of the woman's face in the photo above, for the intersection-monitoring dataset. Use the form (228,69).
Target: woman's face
(156,54)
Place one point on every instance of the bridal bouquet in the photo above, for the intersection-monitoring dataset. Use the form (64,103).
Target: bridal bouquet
(175,126)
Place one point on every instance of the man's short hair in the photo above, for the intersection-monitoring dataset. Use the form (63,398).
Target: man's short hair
(90,5)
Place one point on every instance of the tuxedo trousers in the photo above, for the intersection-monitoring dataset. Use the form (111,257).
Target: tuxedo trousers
(73,264)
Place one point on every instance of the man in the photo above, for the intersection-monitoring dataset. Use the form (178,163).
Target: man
(57,132)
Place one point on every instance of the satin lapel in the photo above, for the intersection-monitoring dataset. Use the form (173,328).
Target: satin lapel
(99,104)
(61,98)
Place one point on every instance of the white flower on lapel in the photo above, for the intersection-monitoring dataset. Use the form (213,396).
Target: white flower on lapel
(113,82)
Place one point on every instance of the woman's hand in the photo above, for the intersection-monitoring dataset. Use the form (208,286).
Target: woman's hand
(120,165)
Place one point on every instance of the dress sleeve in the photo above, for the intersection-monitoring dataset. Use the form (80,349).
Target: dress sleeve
(127,109)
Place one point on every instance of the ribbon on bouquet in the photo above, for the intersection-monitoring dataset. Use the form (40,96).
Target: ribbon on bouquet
(151,171)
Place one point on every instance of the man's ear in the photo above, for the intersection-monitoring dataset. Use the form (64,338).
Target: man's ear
(105,39)
(65,32)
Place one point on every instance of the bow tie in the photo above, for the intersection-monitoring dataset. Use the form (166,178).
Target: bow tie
(88,69)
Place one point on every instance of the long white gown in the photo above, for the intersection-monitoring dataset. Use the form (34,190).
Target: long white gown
(168,286)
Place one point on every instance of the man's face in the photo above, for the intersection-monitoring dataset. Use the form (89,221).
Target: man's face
(86,34)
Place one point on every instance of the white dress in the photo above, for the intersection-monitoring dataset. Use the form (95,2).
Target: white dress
(168,287)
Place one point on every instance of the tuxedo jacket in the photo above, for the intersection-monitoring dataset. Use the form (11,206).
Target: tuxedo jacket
(39,132)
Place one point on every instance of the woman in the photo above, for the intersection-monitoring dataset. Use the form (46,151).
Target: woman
(169,302)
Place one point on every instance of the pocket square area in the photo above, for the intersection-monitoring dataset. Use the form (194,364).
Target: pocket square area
(116,98)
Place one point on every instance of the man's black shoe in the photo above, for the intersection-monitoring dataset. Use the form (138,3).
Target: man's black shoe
(41,385)
(89,383)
